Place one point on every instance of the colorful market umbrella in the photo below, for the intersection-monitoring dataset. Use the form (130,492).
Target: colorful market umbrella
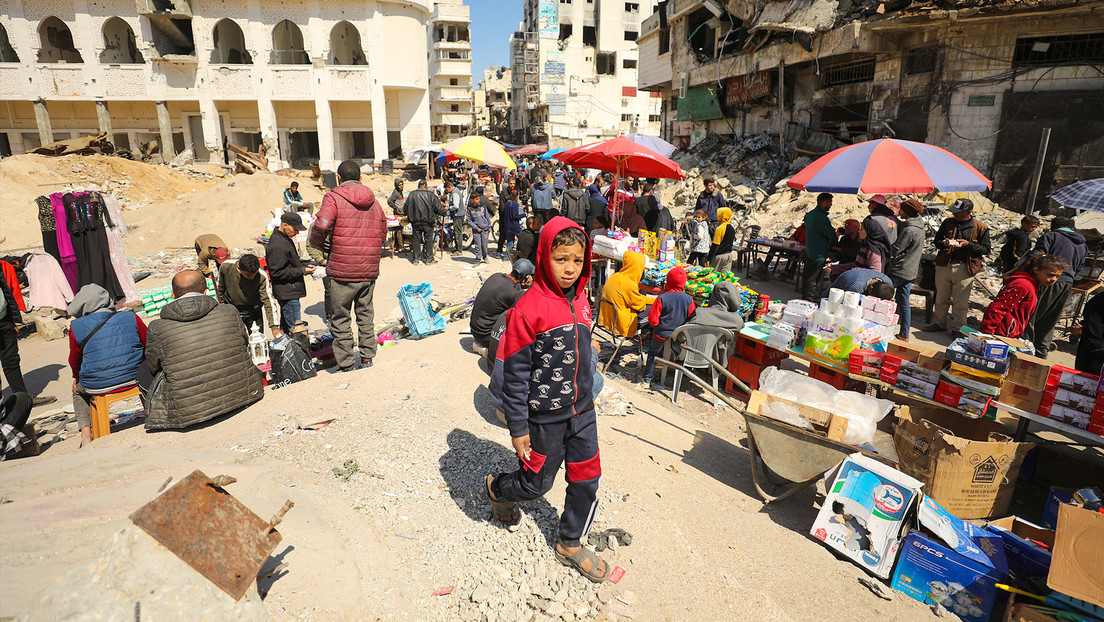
(480,149)
(655,143)
(547,155)
(1083,195)
(621,157)
(889,166)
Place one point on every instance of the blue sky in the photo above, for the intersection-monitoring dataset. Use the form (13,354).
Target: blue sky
(493,21)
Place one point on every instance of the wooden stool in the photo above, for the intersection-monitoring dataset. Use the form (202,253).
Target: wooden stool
(101,404)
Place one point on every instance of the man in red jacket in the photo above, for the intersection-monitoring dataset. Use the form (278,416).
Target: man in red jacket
(1007,315)
(351,227)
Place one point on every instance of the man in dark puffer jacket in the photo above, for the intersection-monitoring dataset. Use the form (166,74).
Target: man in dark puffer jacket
(199,354)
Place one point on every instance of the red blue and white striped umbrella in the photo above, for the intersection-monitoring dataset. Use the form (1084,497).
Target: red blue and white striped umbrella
(1083,195)
(889,166)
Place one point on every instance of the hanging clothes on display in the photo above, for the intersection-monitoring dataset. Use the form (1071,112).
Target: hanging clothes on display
(116,229)
(49,227)
(87,221)
(49,289)
(8,272)
(66,255)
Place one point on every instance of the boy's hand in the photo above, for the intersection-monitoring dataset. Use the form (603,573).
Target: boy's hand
(521,446)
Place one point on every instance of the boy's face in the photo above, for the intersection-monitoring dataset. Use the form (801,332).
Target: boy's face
(1029,227)
(567,264)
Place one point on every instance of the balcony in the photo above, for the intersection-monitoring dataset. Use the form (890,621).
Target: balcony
(61,80)
(453,67)
(454,93)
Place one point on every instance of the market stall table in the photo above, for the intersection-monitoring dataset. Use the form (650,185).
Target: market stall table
(1026,418)
(789,249)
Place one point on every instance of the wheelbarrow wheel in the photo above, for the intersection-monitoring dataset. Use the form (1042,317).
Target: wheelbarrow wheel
(770,486)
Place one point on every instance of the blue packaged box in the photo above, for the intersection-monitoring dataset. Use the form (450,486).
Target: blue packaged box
(958,567)
(959,352)
(933,573)
(1026,546)
(1057,497)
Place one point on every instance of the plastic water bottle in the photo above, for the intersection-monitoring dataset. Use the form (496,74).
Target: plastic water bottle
(258,346)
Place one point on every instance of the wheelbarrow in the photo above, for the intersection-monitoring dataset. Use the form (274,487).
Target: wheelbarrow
(784,458)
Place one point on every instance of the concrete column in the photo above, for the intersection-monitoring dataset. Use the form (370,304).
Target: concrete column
(103,117)
(42,119)
(212,130)
(270,135)
(324,125)
(379,122)
(164,125)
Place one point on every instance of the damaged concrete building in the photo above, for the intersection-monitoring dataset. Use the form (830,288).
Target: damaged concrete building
(574,70)
(983,79)
(317,81)
(450,70)
(492,103)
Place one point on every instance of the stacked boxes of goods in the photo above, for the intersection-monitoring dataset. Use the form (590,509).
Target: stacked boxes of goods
(975,376)
(911,368)
(1073,397)
(847,321)
(155,298)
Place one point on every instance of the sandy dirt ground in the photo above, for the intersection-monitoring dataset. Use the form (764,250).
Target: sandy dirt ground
(421,426)
(376,546)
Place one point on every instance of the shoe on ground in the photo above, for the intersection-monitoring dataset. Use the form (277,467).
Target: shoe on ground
(365,362)
(933,328)
(42,400)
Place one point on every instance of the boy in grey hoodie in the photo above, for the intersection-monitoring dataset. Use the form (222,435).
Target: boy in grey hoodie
(480,221)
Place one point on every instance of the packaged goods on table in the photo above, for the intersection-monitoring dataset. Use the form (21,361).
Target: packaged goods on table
(699,282)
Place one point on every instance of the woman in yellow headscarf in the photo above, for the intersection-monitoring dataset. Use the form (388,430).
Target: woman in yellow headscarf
(621,297)
(720,252)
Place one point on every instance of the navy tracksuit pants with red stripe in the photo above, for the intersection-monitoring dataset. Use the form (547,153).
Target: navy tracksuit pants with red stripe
(575,442)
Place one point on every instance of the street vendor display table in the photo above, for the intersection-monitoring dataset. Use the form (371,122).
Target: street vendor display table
(1026,418)
(781,248)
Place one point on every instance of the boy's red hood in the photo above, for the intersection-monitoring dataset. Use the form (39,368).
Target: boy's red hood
(676,279)
(544,279)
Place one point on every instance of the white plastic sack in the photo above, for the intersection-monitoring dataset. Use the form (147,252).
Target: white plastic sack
(861,411)
(785,413)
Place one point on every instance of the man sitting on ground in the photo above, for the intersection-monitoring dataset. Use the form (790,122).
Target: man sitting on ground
(864,281)
(198,353)
(106,349)
(293,201)
(498,294)
(240,284)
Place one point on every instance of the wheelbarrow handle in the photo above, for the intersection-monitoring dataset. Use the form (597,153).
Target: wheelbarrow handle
(736,381)
(705,385)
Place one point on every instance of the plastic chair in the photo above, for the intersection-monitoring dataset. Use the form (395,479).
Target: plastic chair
(617,338)
(101,406)
(707,339)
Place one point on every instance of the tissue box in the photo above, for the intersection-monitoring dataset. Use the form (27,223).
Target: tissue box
(887,307)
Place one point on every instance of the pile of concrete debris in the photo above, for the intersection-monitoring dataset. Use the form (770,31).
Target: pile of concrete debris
(736,163)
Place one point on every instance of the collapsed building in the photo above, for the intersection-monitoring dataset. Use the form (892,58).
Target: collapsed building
(987,80)
(314,82)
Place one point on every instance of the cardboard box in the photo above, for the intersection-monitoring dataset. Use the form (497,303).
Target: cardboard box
(959,352)
(958,568)
(972,382)
(891,366)
(1056,497)
(908,384)
(815,416)
(865,363)
(988,346)
(1021,397)
(906,350)
(864,513)
(961,398)
(1056,395)
(1077,562)
(919,372)
(1028,371)
(1022,549)
(1073,380)
(967,465)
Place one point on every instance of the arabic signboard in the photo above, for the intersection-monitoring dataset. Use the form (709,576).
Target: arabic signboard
(553,69)
(748,87)
(549,19)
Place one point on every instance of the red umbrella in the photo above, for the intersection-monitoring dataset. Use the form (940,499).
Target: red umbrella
(621,157)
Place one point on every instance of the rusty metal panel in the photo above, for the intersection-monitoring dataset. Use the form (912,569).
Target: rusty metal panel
(211,530)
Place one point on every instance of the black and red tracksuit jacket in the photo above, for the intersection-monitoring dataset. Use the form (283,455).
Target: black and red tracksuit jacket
(544,371)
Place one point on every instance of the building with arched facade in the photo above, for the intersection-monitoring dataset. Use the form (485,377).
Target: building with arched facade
(314,81)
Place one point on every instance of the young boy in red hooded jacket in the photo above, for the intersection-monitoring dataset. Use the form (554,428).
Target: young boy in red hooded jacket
(543,381)
(673,308)
(1007,315)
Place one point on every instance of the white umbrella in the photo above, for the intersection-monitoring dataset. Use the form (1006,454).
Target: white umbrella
(654,143)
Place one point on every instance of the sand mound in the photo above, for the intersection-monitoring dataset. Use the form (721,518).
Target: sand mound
(24,177)
(236,209)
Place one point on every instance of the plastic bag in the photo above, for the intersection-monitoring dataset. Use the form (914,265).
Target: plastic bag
(784,413)
(861,411)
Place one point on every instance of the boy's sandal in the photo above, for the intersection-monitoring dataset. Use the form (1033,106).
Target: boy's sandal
(600,540)
(576,559)
(504,511)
